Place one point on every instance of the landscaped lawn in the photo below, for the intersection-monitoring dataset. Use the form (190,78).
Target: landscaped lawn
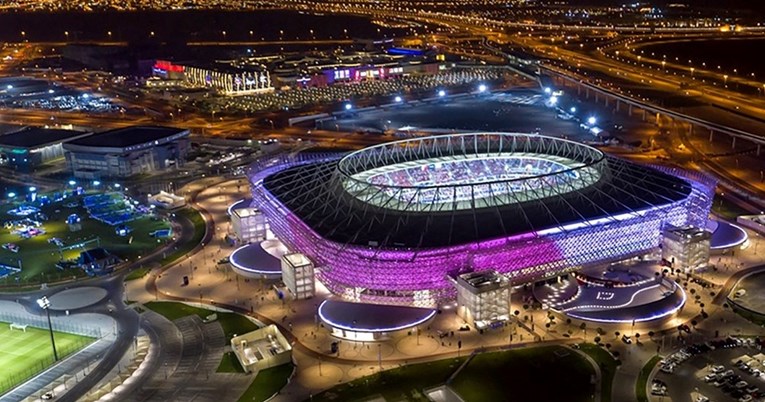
(229,364)
(267,383)
(548,373)
(642,382)
(24,354)
(404,383)
(232,323)
(607,367)
(37,257)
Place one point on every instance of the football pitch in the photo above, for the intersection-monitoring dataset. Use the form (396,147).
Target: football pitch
(24,354)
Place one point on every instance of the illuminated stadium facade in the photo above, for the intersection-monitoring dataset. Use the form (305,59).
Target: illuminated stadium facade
(389,223)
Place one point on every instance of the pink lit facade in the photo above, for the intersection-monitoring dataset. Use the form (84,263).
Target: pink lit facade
(419,276)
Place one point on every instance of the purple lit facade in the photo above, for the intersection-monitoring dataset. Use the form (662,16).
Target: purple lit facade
(418,276)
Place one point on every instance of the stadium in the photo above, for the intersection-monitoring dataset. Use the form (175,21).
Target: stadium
(390,223)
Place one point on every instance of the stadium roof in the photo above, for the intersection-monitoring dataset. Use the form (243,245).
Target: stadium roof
(34,137)
(128,136)
(315,192)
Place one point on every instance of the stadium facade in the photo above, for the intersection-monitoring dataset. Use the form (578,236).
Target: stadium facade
(391,222)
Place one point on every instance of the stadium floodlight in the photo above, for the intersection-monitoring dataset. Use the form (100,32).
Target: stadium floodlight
(11,194)
(482,88)
(117,185)
(398,99)
(553,100)
(592,120)
(548,90)
(96,183)
(441,93)
(44,304)
(72,182)
(348,106)
(32,189)
(50,91)
(85,96)
(573,109)
(9,87)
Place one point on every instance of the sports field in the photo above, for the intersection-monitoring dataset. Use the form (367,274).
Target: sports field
(24,354)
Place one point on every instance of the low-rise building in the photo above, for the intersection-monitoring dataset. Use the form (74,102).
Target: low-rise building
(30,147)
(298,275)
(483,298)
(127,151)
(260,349)
(686,248)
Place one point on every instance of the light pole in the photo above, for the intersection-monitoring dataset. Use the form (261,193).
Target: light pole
(44,303)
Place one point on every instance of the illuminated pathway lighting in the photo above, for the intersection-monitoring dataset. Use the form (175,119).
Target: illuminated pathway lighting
(573,109)
(398,99)
(592,120)
(482,88)
(548,90)
(348,106)
(442,93)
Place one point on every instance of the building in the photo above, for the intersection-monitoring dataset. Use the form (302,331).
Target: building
(97,261)
(30,147)
(127,151)
(227,79)
(483,298)
(249,224)
(260,349)
(391,222)
(297,275)
(685,248)
(365,322)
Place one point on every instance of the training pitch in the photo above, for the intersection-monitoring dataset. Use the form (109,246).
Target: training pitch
(24,354)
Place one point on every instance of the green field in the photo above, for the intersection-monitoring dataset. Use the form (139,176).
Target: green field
(232,323)
(24,354)
(38,257)
(267,383)
(548,373)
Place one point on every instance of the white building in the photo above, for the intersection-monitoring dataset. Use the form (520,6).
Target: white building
(686,248)
(298,275)
(249,224)
(263,348)
(483,298)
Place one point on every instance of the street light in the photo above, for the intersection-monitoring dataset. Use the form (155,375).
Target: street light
(72,182)
(44,304)
(398,99)
(573,109)
(592,120)
(441,93)
(482,88)
(348,106)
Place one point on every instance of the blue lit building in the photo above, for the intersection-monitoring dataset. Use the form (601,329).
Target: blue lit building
(30,147)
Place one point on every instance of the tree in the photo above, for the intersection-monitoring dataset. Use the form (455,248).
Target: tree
(597,339)
(568,321)
(517,313)
(617,333)
(651,334)
(694,323)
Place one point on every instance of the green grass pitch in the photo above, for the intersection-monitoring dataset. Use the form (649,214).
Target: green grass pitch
(24,354)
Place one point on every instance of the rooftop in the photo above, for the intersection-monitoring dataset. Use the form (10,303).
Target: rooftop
(128,136)
(363,317)
(483,281)
(33,137)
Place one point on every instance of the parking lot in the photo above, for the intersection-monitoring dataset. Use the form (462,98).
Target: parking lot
(515,111)
(721,370)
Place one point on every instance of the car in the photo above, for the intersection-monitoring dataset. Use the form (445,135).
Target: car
(701,398)
(752,389)
(745,398)
(717,369)
(627,339)
(718,383)
(742,384)
(728,373)
(48,396)
(710,377)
